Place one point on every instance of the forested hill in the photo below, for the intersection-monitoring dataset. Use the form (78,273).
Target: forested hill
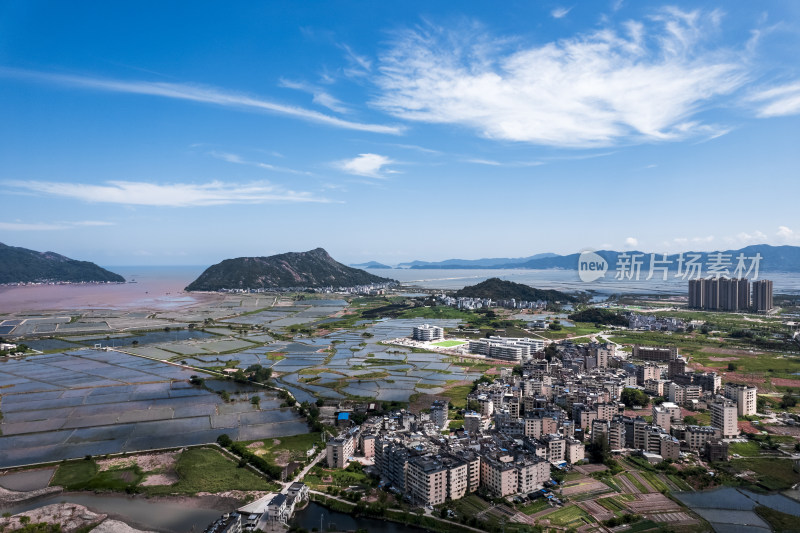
(21,265)
(498,289)
(311,269)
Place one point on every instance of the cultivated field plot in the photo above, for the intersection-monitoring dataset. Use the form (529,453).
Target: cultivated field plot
(355,365)
(91,402)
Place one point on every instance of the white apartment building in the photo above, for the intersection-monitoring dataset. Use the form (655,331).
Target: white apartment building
(744,396)
(724,417)
(427,332)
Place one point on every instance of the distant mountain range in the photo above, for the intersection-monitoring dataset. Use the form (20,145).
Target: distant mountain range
(498,289)
(773,259)
(21,265)
(498,262)
(370,264)
(311,269)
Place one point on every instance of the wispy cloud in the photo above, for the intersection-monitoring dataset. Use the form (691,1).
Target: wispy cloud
(640,82)
(493,163)
(169,195)
(196,93)
(560,12)
(360,65)
(778,101)
(54,226)
(367,165)
(239,160)
(319,96)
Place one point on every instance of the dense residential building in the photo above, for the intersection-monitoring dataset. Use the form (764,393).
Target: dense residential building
(339,451)
(439,413)
(427,332)
(654,353)
(506,348)
(725,294)
(744,396)
(724,418)
(762,296)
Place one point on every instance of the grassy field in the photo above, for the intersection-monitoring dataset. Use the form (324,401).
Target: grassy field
(207,470)
(654,481)
(774,474)
(569,517)
(292,448)
(680,483)
(448,344)
(580,328)
(440,311)
(534,506)
(469,505)
(783,522)
(636,482)
(458,395)
(745,449)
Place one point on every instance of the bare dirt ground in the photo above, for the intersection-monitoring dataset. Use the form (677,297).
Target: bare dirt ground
(70,516)
(731,351)
(160,465)
(747,427)
(10,497)
(783,382)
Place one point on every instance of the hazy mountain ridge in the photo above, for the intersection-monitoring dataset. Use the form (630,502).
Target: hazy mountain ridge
(497,262)
(498,289)
(784,258)
(311,269)
(21,265)
(370,264)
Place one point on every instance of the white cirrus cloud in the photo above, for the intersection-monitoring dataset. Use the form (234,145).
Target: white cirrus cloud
(560,12)
(239,160)
(196,93)
(641,82)
(367,165)
(52,226)
(319,96)
(171,194)
(777,101)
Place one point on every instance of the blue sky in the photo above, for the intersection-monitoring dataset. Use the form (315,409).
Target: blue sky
(186,133)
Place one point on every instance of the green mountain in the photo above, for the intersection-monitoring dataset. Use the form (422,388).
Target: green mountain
(20,265)
(311,269)
(498,289)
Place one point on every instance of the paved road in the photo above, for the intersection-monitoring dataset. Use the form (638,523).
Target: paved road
(304,471)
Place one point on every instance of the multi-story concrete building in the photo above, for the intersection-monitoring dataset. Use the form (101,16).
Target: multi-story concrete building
(696,437)
(439,413)
(427,332)
(339,451)
(499,475)
(762,296)
(724,418)
(647,372)
(367,445)
(662,417)
(472,422)
(655,387)
(556,447)
(744,396)
(575,451)
(654,353)
(426,481)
